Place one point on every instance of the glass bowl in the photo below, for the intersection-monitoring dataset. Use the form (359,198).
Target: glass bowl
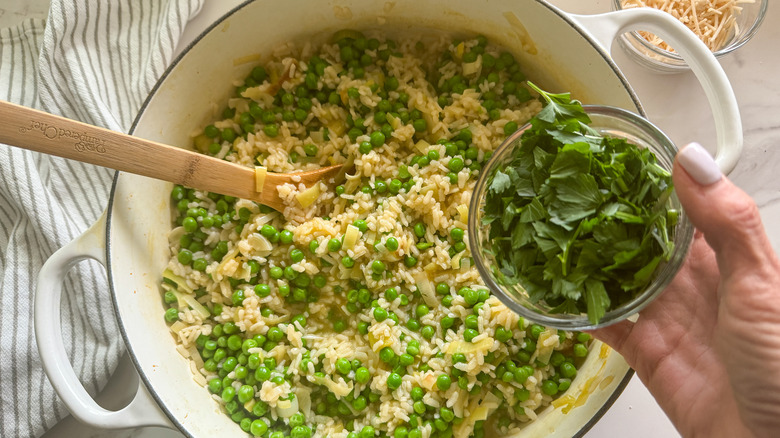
(664,61)
(608,121)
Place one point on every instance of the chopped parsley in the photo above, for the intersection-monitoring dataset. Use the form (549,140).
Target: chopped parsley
(579,220)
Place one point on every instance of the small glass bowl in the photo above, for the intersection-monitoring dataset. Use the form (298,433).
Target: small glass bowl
(608,121)
(664,61)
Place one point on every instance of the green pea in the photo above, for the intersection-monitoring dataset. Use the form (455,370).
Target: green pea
(347,261)
(364,295)
(549,387)
(290,273)
(450,149)
(386,354)
(172,315)
(334,245)
(300,115)
(296,255)
(234,342)
(339,326)
(380,186)
(275,334)
(229,328)
(580,350)
(261,290)
(361,225)
(366,432)
(520,375)
(443,382)
(557,358)
(413,324)
(564,384)
(470,334)
(510,127)
(170,298)
(215,385)
(238,297)
(377,139)
(380,314)
(471,296)
(568,370)
(394,381)
(428,332)
(359,403)
(419,229)
(456,164)
(267,230)
(228,393)
(385,106)
(343,365)
(419,125)
(271,130)
(416,393)
(286,237)
(391,83)
(247,345)
(362,375)
(365,147)
(380,117)
(502,334)
(583,337)
(276,272)
(258,427)
(536,330)
(394,187)
(211,131)
(189,224)
(245,393)
(228,134)
(378,267)
(406,359)
(410,261)
(391,243)
(391,294)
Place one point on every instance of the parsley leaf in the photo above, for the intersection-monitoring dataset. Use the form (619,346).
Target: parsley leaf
(500,183)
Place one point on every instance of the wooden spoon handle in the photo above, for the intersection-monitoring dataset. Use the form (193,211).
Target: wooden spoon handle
(43,132)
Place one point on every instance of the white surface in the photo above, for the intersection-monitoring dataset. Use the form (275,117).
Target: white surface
(674,102)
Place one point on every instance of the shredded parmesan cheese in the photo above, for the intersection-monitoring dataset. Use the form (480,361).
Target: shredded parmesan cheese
(713,21)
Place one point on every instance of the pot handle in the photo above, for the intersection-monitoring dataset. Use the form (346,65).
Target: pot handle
(604,28)
(142,410)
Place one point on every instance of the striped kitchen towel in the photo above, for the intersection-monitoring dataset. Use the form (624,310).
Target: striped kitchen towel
(93,61)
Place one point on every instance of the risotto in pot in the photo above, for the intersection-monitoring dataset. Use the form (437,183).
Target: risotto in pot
(357,311)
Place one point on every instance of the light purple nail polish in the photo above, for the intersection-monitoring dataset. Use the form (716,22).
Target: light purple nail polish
(699,164)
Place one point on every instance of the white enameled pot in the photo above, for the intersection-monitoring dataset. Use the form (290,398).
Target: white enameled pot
(558,51)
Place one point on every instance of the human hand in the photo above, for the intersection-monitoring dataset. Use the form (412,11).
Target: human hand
(708,348)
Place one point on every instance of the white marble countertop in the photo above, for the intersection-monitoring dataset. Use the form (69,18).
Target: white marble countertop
(675,103)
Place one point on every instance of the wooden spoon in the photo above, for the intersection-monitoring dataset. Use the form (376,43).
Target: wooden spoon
(43,132)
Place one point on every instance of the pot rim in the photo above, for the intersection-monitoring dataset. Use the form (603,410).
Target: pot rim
(110,210)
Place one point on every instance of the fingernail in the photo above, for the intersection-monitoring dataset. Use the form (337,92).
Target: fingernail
(699,164)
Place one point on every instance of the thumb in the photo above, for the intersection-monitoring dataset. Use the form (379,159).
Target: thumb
(727,216)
